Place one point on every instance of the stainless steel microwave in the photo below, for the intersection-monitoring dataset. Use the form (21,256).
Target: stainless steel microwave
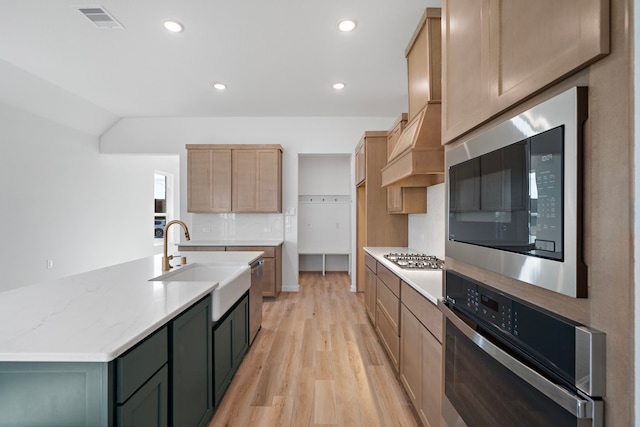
(514,196)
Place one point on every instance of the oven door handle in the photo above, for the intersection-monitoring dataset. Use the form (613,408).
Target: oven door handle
(574,404)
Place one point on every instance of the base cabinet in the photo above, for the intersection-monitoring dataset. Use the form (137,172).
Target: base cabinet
(165,380)
(191,372)
(421,354)
(147,407)
(230,344)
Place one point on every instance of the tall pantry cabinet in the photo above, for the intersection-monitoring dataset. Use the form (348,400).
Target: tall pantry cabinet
(374,225)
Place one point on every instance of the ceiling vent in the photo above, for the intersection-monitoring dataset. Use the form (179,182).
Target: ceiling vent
(100,17)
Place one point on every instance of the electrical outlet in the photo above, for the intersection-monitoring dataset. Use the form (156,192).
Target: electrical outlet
(206,230)
(49,263)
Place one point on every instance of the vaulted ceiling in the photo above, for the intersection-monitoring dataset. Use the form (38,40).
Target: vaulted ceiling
(277,57)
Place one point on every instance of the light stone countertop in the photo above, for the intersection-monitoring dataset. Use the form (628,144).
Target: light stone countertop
(426,282)
(232,242)
(98,315)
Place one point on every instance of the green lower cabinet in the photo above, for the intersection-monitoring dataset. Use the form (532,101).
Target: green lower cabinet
(165,380)
(191,372)
(148,406)
(230,344)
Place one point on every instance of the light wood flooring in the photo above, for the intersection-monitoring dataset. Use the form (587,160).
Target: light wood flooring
(316,362)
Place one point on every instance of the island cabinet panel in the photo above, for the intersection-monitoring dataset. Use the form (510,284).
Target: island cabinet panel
(191,369)
(230,344)
(63,393)
(498,53)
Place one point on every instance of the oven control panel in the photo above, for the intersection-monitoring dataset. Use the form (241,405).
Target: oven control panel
(491,306)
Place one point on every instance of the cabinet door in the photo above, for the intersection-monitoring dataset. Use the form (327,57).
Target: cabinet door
(257,181)
(464,67)
(244,181)
(394,199)
(431,397)
(220,180)
(209,181)
(147,407)
(268,181)
(240,332)
(536,43)
(370,296)
(269,288)
(192,400)
(198,180)
(222,359)
(410,355)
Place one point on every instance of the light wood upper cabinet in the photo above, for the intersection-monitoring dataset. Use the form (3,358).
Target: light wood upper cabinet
(423,54)
(406,200)
(465,45)
(497,53)
(234,178)
(536,43)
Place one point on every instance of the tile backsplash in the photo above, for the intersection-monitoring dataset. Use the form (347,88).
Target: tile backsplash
(237,226)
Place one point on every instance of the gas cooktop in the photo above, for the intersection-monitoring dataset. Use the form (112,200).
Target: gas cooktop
(416,261)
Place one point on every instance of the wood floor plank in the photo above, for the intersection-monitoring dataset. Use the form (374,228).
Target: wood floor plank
(316,361)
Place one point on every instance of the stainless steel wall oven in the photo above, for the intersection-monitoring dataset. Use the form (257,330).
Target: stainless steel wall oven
(510,363)
(514,196)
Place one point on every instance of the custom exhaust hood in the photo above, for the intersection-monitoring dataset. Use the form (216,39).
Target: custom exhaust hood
(417,160)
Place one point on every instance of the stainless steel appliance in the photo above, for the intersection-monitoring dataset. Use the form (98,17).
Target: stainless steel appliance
(255,299)
(514,196)
(510,363)
(415,261)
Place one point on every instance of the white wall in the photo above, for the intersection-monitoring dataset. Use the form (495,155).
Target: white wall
(427,231)
(297,135)
(63,201)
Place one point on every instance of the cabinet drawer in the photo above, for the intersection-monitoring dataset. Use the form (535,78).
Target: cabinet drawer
(139,364)
(388,334)
(269,251)
(370,262)
(391,280)
(389,304)
(424,310)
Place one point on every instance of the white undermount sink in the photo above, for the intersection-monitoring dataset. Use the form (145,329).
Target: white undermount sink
(233,281)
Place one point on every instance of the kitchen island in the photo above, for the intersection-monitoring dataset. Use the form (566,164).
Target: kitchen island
(90,348)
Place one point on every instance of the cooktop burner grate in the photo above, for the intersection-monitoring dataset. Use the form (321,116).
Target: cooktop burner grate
(416,261)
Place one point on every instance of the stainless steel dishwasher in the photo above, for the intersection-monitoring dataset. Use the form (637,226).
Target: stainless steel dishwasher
(255,299)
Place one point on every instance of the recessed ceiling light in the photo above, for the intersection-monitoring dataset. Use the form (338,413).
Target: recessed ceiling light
(338,86)
(219,86)
(173,26)
(346,25)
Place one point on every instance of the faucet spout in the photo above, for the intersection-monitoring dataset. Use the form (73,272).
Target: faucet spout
(166,258)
